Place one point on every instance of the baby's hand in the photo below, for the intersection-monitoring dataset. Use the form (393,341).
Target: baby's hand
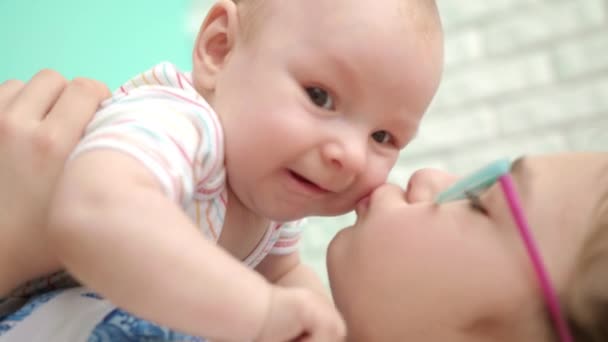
(298,314)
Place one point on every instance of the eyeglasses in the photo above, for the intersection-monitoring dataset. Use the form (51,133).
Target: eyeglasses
(477,182)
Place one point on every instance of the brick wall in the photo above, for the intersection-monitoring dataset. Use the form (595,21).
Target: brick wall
(522,76)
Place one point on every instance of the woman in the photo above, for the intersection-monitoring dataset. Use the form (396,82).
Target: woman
(407,270)
(459,271)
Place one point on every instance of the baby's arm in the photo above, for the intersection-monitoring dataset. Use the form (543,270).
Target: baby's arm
(289,271)
(117,232)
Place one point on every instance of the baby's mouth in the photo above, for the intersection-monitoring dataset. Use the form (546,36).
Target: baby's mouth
(306,182)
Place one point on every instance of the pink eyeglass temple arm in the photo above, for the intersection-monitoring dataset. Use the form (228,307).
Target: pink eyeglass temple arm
(549,294)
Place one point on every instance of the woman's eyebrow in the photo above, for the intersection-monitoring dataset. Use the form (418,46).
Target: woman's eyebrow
(517,165)
(521,173)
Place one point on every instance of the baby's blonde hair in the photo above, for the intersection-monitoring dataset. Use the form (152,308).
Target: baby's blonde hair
(251,14)
(586,298)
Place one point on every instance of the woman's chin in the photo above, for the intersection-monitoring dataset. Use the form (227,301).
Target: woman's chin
(337,259)
(336,249)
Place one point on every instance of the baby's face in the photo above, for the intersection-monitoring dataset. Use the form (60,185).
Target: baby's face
(318,103)
(453,273)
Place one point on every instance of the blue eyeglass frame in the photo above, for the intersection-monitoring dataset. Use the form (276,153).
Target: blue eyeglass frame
(482,179)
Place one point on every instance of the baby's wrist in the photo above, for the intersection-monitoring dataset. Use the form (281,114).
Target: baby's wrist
(265,309)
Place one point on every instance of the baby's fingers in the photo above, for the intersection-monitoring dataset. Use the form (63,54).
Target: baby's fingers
(324,323)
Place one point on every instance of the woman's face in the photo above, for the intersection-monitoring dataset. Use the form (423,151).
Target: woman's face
(450,272)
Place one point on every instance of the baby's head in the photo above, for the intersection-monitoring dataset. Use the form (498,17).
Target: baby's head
(456,273)
(316,97)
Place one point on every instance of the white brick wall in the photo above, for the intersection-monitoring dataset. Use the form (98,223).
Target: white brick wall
(522,76)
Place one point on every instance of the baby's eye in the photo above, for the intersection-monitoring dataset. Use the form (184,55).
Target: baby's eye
(475,203)
(382,137)
(320,97)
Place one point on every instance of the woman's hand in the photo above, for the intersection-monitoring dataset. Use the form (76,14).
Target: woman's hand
(40,123)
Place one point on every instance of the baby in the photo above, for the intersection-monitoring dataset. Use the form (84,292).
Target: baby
(182,202)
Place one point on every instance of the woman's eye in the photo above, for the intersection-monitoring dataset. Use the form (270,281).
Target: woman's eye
(381,137)
(475,203)
(320,97)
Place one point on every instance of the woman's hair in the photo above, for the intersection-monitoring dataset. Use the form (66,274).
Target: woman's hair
(586,298)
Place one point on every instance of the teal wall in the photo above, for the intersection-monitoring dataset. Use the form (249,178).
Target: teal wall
(110,40)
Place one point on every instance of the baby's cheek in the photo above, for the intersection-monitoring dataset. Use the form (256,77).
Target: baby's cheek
(377,173)
(372,184)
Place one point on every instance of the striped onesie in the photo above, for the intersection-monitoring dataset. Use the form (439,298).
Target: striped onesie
(159,119)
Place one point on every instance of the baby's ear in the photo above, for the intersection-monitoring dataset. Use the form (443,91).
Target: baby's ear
(214,42)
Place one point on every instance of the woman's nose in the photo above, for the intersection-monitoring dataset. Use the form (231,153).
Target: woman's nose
(425,184)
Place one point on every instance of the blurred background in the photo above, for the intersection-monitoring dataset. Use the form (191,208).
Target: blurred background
(521,77)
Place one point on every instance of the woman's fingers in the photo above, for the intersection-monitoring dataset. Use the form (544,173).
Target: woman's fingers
(74,109)
(37,97)
(46,116)
(8,92)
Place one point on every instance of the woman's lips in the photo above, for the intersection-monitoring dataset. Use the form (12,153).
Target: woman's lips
(362,206)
